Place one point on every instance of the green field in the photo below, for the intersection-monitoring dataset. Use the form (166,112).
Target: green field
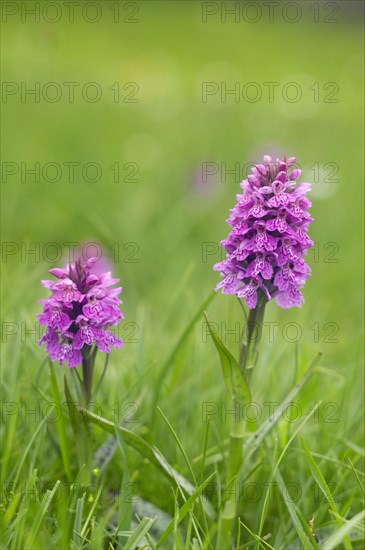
(166,149)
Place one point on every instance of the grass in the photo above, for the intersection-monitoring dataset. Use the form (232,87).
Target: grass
(159,428)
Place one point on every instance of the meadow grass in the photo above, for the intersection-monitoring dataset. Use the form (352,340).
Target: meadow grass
(158,433)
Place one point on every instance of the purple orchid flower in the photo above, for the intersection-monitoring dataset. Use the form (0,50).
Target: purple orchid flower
(268,241)
(82,308)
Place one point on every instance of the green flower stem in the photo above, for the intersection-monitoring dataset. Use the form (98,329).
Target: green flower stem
(229,513)
(248,359)
(88,362)
(252,335)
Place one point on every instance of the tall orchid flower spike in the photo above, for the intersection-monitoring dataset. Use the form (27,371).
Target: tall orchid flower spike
(268,241)
(265,253)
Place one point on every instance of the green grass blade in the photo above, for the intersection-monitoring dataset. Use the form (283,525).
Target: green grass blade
(305,536)
(97,535)
(184,510)
(282,454)
(138,534)
(322,484)
(253,443)
(147,451)
(29,446)
(171,358)
(38,520)
(204,453)
(339,536)
(189,529)
(357,477)
(18,525)
(90,514)
(233,377)
(179,444)
(262,543)
(178,542)
(182,450)
(8,445)
(60,424)
(125,504)
(77,538)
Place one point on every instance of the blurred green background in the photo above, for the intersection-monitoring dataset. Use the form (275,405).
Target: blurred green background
(170,213)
